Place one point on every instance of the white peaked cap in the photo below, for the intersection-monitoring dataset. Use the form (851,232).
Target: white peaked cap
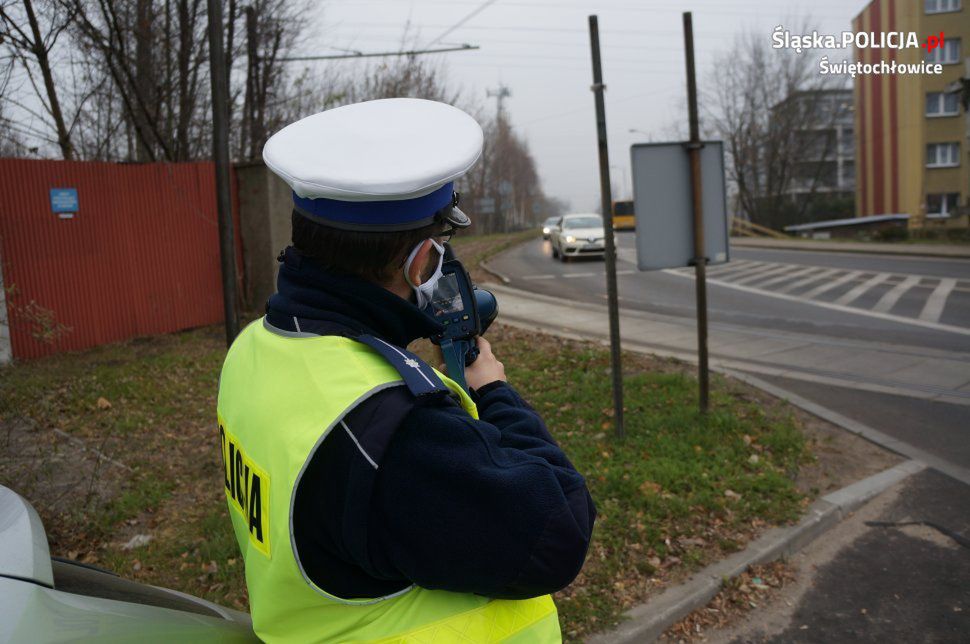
(384,150)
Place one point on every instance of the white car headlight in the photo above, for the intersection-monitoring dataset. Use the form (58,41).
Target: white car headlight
(545,230)
(570,239)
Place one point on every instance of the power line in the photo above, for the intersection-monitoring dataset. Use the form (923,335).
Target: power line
(585,108)
(458,24)
(637,32)
(380,54)
(738,10)
(520,57)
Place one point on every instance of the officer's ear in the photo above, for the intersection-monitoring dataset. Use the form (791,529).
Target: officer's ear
(417,269)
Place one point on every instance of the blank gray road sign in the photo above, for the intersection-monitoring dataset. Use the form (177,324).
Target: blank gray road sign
(663,204)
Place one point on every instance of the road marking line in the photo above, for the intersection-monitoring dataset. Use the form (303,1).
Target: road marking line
(781,278)
(835,307)
(771,270)
(539,277)
(808,280)
(627,272)
(731,267)
(568,275)
(828,286)
(758,267)
(937,300)
(888,301)
(859,290)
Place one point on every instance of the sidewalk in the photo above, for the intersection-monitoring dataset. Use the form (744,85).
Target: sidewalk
(949,251)
(872,366)
(894,571)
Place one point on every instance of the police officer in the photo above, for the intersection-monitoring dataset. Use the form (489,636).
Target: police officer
(372,498)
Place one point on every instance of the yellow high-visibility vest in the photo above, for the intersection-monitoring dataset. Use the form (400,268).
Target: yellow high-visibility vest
(279,397)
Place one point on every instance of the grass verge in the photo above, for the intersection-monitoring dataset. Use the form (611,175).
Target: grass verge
(679,492)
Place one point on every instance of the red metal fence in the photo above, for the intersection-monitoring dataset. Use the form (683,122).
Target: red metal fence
(140,256)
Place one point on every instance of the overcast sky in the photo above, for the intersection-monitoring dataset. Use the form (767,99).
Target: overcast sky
(539,49)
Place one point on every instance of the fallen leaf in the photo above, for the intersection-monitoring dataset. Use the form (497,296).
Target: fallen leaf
(103,403)
(649,487)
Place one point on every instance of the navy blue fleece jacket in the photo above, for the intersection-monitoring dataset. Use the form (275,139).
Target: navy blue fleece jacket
(410,491)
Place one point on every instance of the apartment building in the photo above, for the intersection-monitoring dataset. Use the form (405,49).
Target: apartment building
(912,146)
(825,141)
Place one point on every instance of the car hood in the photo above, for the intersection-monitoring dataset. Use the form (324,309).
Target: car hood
(585,233)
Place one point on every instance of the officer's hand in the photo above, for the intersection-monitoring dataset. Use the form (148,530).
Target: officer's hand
(486,368)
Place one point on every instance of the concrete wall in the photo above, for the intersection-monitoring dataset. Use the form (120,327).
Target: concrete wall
(265,204)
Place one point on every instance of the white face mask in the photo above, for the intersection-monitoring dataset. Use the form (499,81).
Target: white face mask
(425,290)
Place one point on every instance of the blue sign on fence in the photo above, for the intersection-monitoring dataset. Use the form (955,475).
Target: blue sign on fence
(64,200)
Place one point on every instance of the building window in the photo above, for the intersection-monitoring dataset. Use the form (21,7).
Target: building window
(942,155)
(848,174)
(942,103)
(847,142)
(942,204)
(948,54)
(942,6)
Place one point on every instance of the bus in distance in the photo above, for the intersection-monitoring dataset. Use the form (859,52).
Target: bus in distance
(623,215)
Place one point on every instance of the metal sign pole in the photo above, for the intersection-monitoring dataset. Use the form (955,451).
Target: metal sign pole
(700,260)
(607,207)
(220,154)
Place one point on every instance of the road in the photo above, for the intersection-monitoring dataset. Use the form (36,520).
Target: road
(779,290)
(910,316)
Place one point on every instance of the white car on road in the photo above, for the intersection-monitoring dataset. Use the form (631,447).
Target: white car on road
(579,235)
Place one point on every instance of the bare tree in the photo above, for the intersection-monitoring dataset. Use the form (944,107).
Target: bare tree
(771,109)
(272,27)
(31,37)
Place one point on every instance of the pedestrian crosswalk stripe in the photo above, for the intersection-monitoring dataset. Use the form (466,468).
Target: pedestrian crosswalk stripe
(764,272)
(933,308)
(808,280)
(828,286)
(788,276)
(734,271)
(888,301)
(858,291)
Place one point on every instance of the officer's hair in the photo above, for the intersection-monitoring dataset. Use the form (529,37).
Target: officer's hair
(372,256)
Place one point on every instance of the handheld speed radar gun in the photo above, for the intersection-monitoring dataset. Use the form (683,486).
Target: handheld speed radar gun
(465,311)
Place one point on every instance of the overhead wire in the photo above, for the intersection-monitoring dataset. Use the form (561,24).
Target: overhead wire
(736,9)
(461,22)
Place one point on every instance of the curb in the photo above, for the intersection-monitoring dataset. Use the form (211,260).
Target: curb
(894,251)
(494,273)
(647,621)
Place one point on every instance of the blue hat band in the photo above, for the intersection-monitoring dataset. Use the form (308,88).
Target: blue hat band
(387,215)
